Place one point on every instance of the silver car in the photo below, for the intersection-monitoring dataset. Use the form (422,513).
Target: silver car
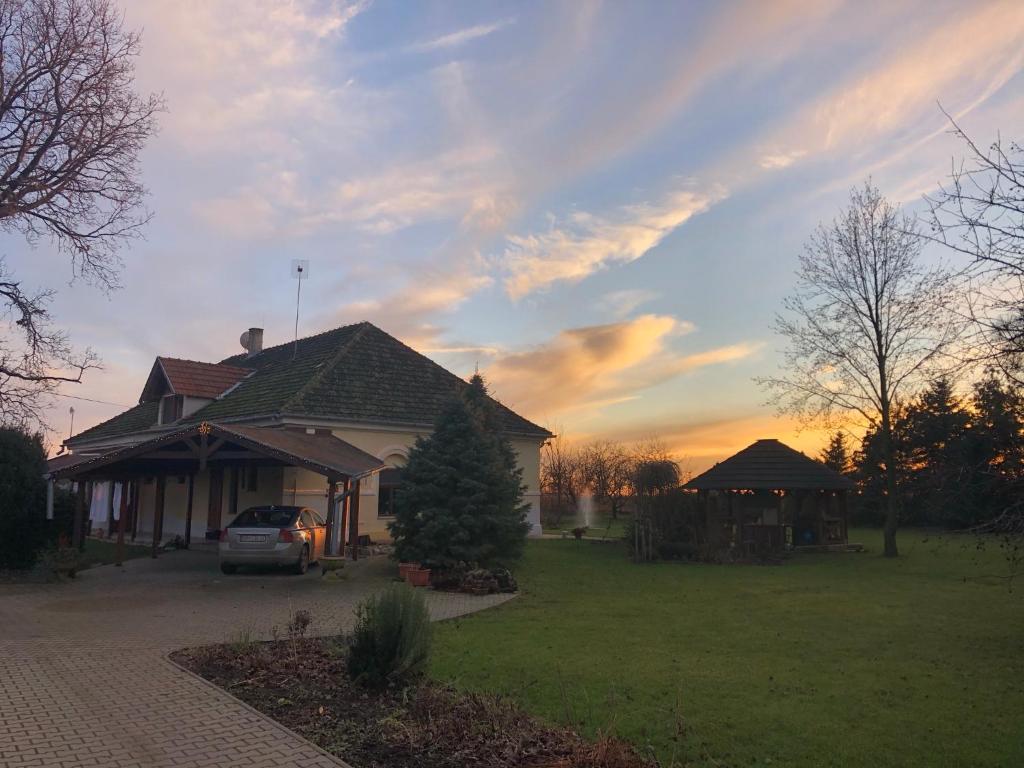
(289,536)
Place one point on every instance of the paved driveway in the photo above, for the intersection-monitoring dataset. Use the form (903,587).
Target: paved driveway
(84,679)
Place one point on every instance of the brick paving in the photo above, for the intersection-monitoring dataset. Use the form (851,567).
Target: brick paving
(84,675)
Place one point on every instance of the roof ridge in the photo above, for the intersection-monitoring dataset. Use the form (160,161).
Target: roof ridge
(317,377)
(202,362)
(301,339)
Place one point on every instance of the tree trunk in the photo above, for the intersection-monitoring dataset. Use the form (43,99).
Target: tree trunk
(891,501)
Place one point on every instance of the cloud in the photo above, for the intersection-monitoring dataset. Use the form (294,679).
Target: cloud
(452,185)
(621,304)
(424,296)
(780,159)
(960,63)
(459,37)
(584,243)
(594,366)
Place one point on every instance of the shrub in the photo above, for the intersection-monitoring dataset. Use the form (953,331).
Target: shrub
(391,642)
(23,526)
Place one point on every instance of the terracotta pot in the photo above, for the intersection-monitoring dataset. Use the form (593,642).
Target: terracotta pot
(418,577)
(404,568)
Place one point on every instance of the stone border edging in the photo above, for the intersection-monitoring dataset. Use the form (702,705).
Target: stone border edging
(337,760)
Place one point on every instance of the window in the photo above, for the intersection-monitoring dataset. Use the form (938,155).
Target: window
(390,479)
(171,407)
(307,519)
(250,479)
(266,517)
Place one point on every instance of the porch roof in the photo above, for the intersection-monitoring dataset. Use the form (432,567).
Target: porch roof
(324,454)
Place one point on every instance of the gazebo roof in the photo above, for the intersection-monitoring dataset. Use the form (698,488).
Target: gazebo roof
(769,465)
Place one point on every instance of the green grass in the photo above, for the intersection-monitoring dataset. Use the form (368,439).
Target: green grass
(602,526)
(844,660)
(99,552)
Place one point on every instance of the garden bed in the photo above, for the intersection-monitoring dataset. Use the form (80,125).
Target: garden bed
(303,684)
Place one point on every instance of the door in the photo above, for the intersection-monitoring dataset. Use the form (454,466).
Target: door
(213,521)
(317,532)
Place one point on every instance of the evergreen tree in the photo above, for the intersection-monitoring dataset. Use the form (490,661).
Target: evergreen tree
(837,454)
(22,498)
(996,446)
(939,478)
(461,497)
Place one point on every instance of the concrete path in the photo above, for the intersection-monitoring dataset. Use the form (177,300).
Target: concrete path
(84,678)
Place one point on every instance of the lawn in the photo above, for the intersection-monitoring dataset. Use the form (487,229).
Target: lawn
(841,659)
(102,552)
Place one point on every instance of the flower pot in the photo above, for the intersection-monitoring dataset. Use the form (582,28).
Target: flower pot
(418,577)
(404,568)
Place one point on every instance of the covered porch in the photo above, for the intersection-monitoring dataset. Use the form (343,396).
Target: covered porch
(185,486)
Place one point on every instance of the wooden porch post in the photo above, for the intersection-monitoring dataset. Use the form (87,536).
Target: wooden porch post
(122,522)
(332,489)
(77,525)
(110,507)
(353,523)
(135,507)
(188,510)
(233,492)
(158,512)
(346,505)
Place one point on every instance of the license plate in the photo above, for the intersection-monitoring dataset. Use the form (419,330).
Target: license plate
(249,539)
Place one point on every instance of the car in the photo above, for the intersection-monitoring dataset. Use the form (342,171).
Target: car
(273,535)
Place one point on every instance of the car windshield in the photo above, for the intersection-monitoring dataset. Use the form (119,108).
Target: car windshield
(266,518)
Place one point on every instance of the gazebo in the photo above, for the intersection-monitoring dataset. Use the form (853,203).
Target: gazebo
(770,497)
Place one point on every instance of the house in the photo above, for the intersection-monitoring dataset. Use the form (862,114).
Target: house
(770,497)
(328,418)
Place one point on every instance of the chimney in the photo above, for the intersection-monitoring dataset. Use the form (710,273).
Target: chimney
(255,341)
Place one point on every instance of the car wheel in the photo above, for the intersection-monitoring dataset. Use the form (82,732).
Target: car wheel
(228,569)
(303,565)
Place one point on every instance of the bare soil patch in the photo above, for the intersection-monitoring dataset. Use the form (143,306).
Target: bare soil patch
(303,684)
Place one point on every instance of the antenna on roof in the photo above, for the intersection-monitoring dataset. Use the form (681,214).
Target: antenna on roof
(300,271)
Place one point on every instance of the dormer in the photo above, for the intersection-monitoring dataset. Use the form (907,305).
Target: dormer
(182,387)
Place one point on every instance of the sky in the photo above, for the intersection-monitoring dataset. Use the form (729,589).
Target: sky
(599,204)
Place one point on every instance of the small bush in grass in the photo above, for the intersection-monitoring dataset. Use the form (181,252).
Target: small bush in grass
(391,642)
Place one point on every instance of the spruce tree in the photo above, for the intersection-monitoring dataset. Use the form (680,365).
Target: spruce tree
(836,455)
(461,497)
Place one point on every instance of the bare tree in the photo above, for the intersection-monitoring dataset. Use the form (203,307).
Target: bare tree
(866,323)
(563,478)
(608,469)
(980,213)
(71,130)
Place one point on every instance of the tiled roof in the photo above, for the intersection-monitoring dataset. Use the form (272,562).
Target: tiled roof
(195,379)
(137,419)
(769,465)
(356,373)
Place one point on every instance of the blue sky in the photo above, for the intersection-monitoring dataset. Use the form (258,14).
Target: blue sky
(601,204)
